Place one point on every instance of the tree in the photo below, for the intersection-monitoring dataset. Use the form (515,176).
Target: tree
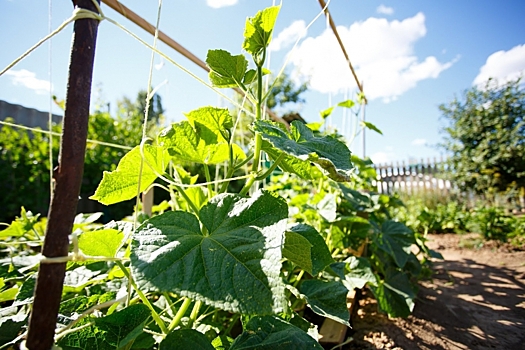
(486,137)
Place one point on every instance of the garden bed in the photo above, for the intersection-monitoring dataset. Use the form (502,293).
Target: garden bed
(475,300)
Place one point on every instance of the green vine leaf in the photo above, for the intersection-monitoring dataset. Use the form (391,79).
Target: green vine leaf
(124,326)
(395,239)
(395,295)
(103,242)
(122,183)
(186,339)
(270,333)
(258,30)
(371,126)
(301,147)
(233,263)
(226,71)
(355,272)
(327,298)
(305,247)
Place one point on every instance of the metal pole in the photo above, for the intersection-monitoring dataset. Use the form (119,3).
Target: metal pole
(68,178)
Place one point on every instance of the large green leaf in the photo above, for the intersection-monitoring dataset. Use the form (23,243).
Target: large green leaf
(122,183)
(103,242)
(186,339)
(270,333)
(305,247)
(395,295)
(395,238)
(258,30)
(233,263)
(184,142)
(226,71)
(301,147)
(327,298)
(125,325)
(355,272)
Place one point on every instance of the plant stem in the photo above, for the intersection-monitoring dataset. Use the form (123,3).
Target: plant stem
(194,312)
(208,180)
(187,199)
(271,169)
(182,310)
(145,300)
(247,185)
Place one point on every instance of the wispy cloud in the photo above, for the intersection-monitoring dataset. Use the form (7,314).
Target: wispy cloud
(385,10)
(419,142)
(288,35)
(221,3)
(503,66)
(382,52)
(29,80)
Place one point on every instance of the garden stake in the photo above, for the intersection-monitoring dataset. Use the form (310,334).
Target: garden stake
(68,178)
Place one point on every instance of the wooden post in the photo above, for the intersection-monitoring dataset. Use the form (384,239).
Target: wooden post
(68,178)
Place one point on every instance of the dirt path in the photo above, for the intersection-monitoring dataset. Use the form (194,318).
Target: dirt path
(476,300)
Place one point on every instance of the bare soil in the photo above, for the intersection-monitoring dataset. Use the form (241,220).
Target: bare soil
(475,300)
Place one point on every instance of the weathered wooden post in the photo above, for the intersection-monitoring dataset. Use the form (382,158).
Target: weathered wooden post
(68,178)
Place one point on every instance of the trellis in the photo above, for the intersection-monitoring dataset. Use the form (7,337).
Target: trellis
(68,175)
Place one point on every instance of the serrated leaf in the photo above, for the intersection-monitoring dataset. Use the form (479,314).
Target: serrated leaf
(395,239)
(103,242)
(258,30)
(16,229)
(210,122)
(125,325)
(355,272)
(226,71)
(370,126)
(186,339)
(395,295)
(346,104)
(184,142)
(25,294)
(301,147)
(327,298)
(270,333)
(234,264)
(357,200)
(305,247)
(122,183)
(9,330)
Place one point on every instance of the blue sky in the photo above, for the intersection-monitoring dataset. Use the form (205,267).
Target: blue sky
(411,55)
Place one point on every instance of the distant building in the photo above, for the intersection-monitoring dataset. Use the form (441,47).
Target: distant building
(26,116)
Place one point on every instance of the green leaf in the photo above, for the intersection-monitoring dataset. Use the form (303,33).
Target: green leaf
(327,207)
(395,295)
(357,200)
(9,330)
(125,325)
(222,342)
(346,104)
(327,112)
(186,339)
(234,264)
(185,143)
(122,183)
(103,242)
(355,272)
(327,298)
(270,333)
(258,30)
(226,71)
(301,147)
(305,247)
(211,122)
(16,229)
(25,294)
(370,126)
(8,294)
(395,239)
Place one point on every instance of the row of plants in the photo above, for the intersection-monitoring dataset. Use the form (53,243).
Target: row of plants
(218,265)
(433,213)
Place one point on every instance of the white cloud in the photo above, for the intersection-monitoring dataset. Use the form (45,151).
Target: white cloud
(220,3)
(385,10)
(29,80)
(419,142)
(382,157)
(288,36)
(503,66)
(381,51)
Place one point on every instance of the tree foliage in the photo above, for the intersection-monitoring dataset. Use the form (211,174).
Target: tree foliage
(486,137)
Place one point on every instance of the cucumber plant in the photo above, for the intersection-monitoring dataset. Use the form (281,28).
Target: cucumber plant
(211,260)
